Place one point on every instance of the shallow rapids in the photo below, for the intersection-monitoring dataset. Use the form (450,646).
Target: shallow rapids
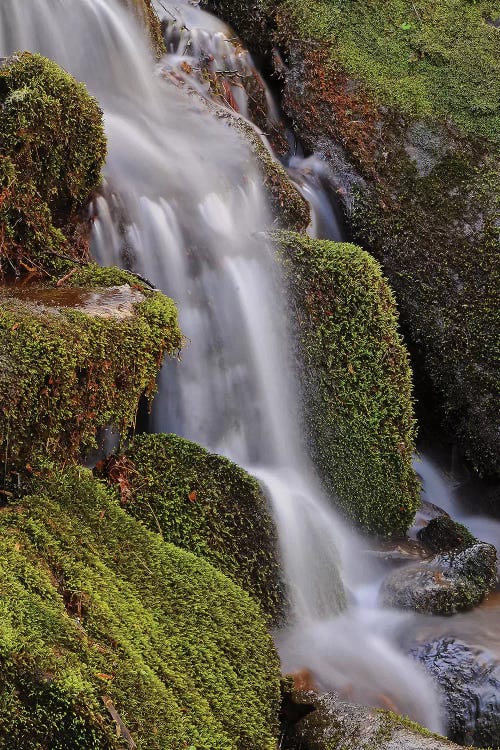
(182,204)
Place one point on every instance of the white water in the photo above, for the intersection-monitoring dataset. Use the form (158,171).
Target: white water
(182,204)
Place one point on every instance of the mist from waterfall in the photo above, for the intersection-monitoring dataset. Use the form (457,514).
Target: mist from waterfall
(182,203)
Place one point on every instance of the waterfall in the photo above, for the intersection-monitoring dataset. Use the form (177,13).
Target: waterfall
(182,204)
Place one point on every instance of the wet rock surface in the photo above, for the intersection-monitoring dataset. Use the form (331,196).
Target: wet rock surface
(343,726)
(470,681)
(446,583)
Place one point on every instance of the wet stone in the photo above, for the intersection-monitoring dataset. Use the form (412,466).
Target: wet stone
(469,678)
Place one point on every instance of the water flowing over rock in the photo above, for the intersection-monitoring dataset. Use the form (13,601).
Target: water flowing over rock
(182,204)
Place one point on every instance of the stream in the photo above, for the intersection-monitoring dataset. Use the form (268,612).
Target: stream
(183,204)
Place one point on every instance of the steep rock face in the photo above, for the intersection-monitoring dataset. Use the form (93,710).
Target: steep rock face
(52,148)
(357,389)
(104,625)
(403,100)
(205,504)
(75,358)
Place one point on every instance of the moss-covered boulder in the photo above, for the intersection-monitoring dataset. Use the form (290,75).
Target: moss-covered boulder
(104,626)
(403,100)
(451,582)
(75,358)
(52,148)
(205,504)
(443,534)
(358,392)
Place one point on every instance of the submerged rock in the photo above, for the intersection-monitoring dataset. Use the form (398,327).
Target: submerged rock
(335,725)
(205,504)
(446,583)
(470,681)
(103,625)
(358,411)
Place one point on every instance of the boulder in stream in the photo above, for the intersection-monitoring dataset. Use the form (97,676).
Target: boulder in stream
(470,681)
(444,584)
(332,724)
(357,391)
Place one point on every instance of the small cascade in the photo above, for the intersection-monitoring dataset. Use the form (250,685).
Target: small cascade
(182,205)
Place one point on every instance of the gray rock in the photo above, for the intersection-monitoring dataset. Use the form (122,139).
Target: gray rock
(444,584)
(470,681)
(335,725)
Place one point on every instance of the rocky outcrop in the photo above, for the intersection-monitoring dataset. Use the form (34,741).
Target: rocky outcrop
(446,583)
(358,411)
(205,504)
(408,118)
(470,681)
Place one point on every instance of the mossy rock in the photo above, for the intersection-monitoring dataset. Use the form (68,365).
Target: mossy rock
(443,534)
(288,208)
(96,610)
(76,358)
(447,583)
(52,149)
(358,391)
(205,504)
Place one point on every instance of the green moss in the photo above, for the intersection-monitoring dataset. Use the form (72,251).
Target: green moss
(439,61)
(52,148)
(443,534)
(66,373)
(358,392)
(94,606)
(207,505)
(436,235)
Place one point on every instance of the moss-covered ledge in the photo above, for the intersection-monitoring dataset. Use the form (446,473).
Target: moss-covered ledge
(358,392)
(205,504)
(75,358)
(102,623)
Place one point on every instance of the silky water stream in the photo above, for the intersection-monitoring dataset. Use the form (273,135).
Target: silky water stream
(182,204)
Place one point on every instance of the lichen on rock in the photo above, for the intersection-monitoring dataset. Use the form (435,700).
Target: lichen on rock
(205,504)
(52,149)
(97,612)
(358,393)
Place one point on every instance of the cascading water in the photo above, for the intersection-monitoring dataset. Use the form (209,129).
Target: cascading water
(182,205)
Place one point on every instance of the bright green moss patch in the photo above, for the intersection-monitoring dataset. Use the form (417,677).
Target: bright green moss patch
(67,369)
(94,606)
(438,60)
(358,392)
(52,148)
(205,504)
